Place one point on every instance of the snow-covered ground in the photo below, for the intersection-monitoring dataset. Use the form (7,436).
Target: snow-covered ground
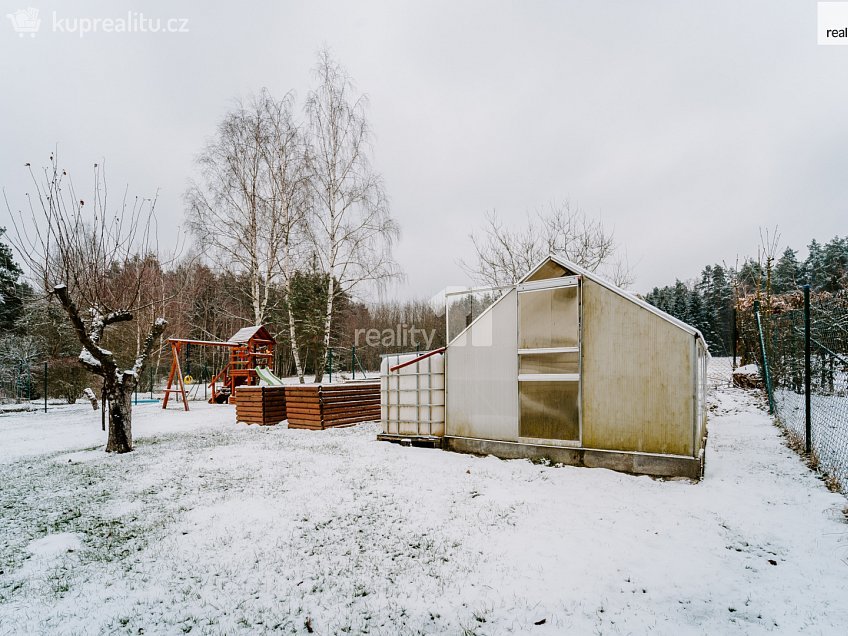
(829,423)
(213,527)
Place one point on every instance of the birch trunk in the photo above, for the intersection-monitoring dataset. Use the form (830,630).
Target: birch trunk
(328,323)
(293,337)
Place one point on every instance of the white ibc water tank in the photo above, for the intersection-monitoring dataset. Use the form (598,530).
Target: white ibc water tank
(412,398)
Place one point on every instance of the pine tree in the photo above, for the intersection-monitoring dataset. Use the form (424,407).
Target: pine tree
(721,314)
(655,298)
(680,301)
(705,288)
(814,265)
(750,276)
(12,291)
(696,314)
(788,273)
(308,298)
(835,265)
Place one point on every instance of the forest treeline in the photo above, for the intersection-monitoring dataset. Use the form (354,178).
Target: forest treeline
(708,302)
(212,305)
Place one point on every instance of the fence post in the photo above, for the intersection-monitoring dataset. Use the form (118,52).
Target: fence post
(330,364)
(808,423)
(353,361)
(151,382)
(45,386)
(766,374)
(734,335)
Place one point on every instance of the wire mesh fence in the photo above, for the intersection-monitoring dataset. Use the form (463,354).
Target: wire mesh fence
(63,381)
(719,372)
(780,348)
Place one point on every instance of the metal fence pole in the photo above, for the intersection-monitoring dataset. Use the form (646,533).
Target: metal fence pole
(734,335)
(353,361)
(103,406)
(808,423)
(766,374)
(45,386)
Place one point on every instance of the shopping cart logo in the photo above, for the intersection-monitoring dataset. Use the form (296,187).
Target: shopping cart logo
(25,21)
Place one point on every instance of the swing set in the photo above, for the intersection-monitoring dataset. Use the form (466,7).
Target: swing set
(250,348)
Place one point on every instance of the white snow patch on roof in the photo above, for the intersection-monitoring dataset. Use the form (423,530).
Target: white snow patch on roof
(245,333)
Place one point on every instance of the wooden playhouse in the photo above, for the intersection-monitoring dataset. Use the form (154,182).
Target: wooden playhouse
(250,347)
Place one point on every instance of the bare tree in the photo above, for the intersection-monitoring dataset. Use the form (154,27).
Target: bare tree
(249,211)
(350,225)
(289,198)
(234,211)
(505,255)
(76,256)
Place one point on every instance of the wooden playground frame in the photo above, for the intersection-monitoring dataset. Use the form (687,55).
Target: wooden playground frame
(249,348)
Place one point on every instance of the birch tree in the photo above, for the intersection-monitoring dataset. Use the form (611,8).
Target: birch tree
(289,198)
(248,212)
(231,210)
(350,225)
(74,247)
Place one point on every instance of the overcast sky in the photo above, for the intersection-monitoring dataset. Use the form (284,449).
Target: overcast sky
(684,126)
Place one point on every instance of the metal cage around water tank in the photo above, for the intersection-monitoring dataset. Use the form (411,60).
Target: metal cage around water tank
(412,394)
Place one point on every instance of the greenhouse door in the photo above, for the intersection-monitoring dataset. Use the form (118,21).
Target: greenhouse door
(549,361)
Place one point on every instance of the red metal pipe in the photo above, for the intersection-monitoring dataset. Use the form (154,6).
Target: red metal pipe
(418,359)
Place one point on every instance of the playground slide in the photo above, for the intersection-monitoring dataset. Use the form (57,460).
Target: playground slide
(267,376)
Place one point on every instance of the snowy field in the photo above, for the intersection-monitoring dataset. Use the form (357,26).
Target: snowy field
(211,527)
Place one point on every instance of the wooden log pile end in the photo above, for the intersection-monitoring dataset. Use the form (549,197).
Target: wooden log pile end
(264,405)
(747,377)
(316,406)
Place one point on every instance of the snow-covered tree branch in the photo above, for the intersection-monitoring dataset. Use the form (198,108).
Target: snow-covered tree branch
(75,256)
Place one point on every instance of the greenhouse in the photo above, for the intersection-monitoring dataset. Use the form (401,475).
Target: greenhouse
(564,367)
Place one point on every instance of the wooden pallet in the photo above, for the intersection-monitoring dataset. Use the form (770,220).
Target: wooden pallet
(422,441)
(265,405)
(320,406)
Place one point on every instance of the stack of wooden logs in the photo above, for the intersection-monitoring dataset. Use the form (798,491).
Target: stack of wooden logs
(260,404)
(317,406)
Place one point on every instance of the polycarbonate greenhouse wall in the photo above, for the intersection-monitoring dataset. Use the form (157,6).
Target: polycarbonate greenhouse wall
(566,360)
